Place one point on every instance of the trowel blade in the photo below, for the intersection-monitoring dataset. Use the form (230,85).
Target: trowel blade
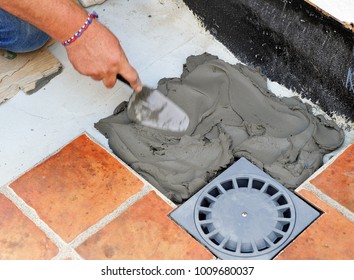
(153,109)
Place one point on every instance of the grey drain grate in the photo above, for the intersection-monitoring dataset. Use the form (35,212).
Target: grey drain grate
(265,211)
(243,215)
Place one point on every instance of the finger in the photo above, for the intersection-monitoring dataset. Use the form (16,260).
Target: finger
(110,81)
(132,77)
(136,85)
(96,77)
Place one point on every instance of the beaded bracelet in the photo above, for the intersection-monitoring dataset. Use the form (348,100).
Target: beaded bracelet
(89,20)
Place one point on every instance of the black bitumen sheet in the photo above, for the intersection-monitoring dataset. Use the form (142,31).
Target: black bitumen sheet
(290,41)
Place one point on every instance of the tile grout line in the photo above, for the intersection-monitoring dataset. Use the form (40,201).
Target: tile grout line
(82,237)
(330,161)
(327,199)
(32,215)
(324,166)
(67,250)
(2,188)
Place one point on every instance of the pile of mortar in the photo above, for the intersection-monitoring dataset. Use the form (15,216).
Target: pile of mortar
(232,115)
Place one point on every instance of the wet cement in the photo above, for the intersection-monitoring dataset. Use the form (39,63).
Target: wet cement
(232,115)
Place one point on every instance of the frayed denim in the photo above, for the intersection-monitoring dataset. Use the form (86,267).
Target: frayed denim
(19,36)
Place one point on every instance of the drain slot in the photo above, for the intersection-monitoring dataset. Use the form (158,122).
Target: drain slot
(244,214)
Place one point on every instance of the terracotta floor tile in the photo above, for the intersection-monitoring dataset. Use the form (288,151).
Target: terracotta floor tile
(143,232)
(20,238)
(330,237)
(337,180)
(76,187)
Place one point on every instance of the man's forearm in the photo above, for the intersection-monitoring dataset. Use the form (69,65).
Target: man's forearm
(60,19)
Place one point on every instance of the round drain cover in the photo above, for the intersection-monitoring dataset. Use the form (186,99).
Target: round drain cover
(244,216)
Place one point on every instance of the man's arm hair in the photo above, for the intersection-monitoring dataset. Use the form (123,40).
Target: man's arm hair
(60,19)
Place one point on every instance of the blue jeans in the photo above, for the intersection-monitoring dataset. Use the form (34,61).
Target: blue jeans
(19,36)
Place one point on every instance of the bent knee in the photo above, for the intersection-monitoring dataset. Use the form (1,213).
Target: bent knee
(17,35)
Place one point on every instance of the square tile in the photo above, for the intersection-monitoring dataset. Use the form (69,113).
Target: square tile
(20,238)
(337,180)
(76,187)
(330,237)
(144,231)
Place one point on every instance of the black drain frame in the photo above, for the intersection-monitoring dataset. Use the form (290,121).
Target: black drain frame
(244,214)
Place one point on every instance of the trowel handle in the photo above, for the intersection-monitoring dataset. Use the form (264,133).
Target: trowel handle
(120,78)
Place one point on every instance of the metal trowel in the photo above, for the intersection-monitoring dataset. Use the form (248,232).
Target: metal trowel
(153,109)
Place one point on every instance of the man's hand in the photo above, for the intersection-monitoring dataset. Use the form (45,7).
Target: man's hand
(98,54)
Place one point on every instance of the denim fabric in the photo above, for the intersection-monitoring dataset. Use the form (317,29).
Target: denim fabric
(19,36)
